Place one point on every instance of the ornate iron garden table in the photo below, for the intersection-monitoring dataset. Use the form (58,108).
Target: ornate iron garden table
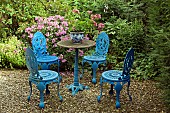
(76,86)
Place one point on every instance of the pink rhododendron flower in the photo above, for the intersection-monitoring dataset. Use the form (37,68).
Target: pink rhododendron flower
(96,16)
(63,60)
(57,34)
(55,45)
(95,23)
(89,12)
(76,11)
(86,37)
(81,53)
(28,29)
(47,39)
(53,40)
(24,48)
(40,26)
(33,26)
(31,35)
(47,34)
(64,23)
(23,36)
(61,18)
(100,26)
(70,50)
(36,18)
(57,16)
(65,38)
(49,28)
(53,54)
(15,51)
(61,56)
(40,19)
(62,32)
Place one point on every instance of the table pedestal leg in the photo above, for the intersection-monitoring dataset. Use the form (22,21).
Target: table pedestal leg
(76,86)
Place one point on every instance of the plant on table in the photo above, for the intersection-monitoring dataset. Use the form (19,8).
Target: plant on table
(85,22)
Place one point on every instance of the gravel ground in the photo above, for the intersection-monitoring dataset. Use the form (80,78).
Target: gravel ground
(14,90)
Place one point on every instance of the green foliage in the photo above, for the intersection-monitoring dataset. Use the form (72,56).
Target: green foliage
(12,53)
(158,13)
(162,56)
(124,9)
(17,14)
(124,35)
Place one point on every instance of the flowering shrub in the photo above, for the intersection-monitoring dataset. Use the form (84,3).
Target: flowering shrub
(54,28)
(12,54)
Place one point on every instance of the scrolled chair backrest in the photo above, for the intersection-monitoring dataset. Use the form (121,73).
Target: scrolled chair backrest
(102,44)
(128,62)
(39,44)
(31,63)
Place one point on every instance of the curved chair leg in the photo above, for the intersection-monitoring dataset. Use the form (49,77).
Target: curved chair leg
(111,89)
(94,68)
(41,88)
(81,76)
(118,88)
(101,90)
(47,90)
(128,91)
(58,91)
(29,97)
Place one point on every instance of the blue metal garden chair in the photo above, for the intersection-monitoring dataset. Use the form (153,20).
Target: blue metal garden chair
(43,58)
(118,78)
(40,50)
(99,57)
(40,78)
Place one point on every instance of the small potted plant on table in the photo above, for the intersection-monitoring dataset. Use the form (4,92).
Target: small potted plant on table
(80,24)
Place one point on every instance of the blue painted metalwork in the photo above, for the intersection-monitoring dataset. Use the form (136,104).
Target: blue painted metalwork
(76,86)
(40,50)
(41,78)
(118,78)
(99,57)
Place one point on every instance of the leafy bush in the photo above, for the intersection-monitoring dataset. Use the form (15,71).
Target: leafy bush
(158,21)
(12,53)
(124,35)
(17,14)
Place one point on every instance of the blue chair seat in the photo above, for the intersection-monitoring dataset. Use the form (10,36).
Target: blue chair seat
(46,59)
(114,76)
(47,75)
(94,58)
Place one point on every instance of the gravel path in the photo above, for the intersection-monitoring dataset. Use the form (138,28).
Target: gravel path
(14,90)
